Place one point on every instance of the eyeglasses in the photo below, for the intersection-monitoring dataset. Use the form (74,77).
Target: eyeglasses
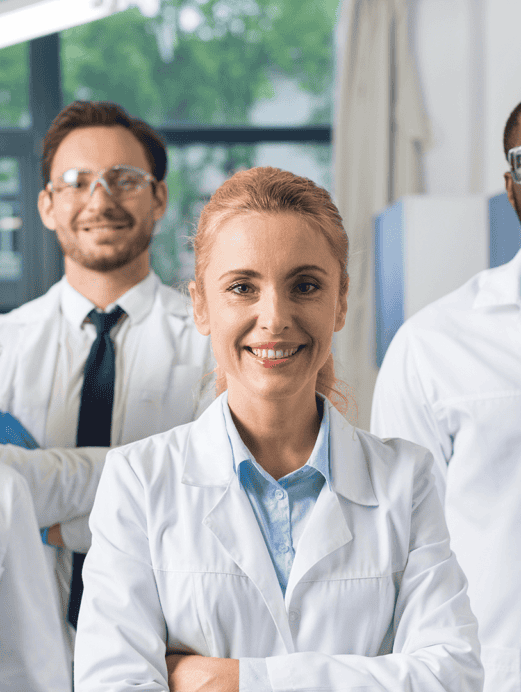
(514,159)
(120,182)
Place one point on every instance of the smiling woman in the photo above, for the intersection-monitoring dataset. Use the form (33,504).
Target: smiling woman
(269,545)
(254,200)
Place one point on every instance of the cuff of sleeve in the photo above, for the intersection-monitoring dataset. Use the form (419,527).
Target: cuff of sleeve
(253,675)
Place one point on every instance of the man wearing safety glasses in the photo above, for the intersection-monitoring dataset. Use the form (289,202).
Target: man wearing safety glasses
(109,354)
(451,381)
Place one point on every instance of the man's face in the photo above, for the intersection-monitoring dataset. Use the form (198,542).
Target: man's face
(98,231)
(514,189)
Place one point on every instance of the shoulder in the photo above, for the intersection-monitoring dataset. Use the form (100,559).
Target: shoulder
(452,318)
(174,302)
(154,458)
(36,310)
(362,462)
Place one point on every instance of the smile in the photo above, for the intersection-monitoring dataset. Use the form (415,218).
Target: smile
(274,355)
(102,228)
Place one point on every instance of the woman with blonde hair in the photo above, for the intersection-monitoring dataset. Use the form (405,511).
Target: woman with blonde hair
(269,545)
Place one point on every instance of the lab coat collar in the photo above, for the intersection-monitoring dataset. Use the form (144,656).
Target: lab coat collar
(208,439)
(136,302)
(318,460)
(500,285)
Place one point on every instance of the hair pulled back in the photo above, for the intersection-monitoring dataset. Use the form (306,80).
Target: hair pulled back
(267,190)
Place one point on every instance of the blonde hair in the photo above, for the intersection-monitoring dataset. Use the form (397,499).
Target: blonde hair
(267,190)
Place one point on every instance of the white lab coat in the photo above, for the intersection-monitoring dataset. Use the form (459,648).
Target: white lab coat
(33,654)
(162,392)
(451,381)
(173,359)
(178,563)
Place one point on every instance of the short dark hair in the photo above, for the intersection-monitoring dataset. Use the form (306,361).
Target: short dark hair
(510,128)
(93,113)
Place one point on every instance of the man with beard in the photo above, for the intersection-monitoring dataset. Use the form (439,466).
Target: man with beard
(109,354)
(451,381)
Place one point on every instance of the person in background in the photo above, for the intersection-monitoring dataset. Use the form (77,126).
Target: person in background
(109,354)
(451,381)
(33,655)
(269,545)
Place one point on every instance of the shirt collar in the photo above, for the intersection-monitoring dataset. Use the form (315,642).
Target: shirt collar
(318,460)
(136,302)
(500,285)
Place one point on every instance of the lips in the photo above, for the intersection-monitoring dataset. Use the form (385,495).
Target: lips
(275,353)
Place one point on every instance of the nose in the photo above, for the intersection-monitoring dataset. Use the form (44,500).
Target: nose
(99,182)
(99,196)
(275,312)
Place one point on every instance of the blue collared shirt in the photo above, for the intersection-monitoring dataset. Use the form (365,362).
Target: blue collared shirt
(281,507)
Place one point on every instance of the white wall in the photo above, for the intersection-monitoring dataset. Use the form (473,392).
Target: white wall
(468,55)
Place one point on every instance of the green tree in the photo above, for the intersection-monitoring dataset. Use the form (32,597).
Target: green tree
(203,63)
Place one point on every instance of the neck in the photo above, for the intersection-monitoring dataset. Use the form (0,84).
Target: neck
(104,288)
(281,433)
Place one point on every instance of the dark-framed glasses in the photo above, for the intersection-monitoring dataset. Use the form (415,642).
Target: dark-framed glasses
(514,159)
(120,182)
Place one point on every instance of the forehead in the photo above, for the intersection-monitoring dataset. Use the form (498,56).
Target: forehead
(270,243)
(99,147)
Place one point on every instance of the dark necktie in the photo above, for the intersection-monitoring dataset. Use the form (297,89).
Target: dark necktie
(95,419)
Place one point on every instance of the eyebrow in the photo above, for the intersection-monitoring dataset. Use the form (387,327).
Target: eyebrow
(256,275)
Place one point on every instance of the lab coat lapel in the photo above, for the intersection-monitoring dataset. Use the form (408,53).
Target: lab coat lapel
(209,463)
(325,532)
(233,523)
(35,362)
(327,529)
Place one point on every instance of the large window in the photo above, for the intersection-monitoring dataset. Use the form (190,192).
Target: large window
(229,83)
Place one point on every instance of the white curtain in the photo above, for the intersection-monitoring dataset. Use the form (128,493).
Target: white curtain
(379,132)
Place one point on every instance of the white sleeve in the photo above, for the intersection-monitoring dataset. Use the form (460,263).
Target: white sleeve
(120,641)
(62,482)
(435,647)
(401,408)
(32,650)
(76,534)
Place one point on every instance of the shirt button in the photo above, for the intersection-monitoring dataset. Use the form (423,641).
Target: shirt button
(279,494)
(285,549)
(294,615)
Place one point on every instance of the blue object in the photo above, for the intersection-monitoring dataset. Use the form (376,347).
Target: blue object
(13,432)
(44,534)
(505,232)
(389,227)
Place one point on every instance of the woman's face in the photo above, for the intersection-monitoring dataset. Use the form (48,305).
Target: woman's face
(272,288)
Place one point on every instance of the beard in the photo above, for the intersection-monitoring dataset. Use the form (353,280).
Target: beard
(120,257)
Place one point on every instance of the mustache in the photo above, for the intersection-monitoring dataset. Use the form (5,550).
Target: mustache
(121,217)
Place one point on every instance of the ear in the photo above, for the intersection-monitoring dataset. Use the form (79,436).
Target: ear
(509,186)
(46,209)
(160,199)
(200,309)
(341,310)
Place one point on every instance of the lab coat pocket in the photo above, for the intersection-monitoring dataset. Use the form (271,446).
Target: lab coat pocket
(502,669)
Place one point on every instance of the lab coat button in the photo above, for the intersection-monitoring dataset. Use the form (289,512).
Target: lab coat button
(294,615)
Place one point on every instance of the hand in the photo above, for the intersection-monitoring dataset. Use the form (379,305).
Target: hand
(54,536)
(192,673)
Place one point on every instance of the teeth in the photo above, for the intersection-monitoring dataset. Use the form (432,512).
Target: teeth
(273,355)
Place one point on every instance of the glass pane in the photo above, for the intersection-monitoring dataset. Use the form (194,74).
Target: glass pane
(208,62)
(195,172)
(10,221)
(14,86)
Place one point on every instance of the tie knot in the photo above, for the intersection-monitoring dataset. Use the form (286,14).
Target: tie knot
(104,321)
